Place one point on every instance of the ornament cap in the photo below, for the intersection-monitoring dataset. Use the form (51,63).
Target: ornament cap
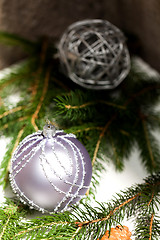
(49,130)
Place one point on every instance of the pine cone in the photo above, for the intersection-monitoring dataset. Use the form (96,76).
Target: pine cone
(118,233)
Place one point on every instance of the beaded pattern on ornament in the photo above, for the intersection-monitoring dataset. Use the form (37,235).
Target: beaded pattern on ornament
(37,138)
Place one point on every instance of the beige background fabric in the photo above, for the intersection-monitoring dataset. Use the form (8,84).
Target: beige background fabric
(32,19)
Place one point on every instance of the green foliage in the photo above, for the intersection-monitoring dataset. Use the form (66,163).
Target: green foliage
(10,217)
(56,226)
(86,221)
(11,39)
(144,232)
(33,82)
(115,121)
(108,123)
(140,201)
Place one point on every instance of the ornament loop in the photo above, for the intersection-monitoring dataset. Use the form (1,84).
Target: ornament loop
(49,130)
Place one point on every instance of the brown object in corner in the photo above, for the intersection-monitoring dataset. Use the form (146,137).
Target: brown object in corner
(118,233)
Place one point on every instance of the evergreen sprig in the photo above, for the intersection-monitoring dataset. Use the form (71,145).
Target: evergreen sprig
(109,123)
(140,201)
(33,83)
(122,119)
(12,39)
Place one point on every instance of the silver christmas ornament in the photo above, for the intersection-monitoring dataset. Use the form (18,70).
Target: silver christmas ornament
(94,55)
(50,170)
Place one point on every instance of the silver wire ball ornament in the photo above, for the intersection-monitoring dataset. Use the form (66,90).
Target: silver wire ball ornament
(94,55)
(50,170)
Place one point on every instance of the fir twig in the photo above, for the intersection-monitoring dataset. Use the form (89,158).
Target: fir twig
(32,103)
(108,124)
(35,114)
(100,137)
(15,40)
(128,111)
(135,201)
(87,222)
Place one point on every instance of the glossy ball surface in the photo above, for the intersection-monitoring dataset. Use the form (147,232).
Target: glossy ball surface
(50,170)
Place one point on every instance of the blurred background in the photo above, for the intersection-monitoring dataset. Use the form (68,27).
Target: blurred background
(138,19)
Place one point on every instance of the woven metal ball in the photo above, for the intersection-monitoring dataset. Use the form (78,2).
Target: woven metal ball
(94,55)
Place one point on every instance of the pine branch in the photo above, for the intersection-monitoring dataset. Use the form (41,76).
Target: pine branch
(88,222)
(10,215)
(100,138)
(109,125)
(35,114)
(13,120)
(151,229)
(15,40)
(131,113)
(139,201)
(56,227)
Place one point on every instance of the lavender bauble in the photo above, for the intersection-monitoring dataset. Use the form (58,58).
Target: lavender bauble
(50,170)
